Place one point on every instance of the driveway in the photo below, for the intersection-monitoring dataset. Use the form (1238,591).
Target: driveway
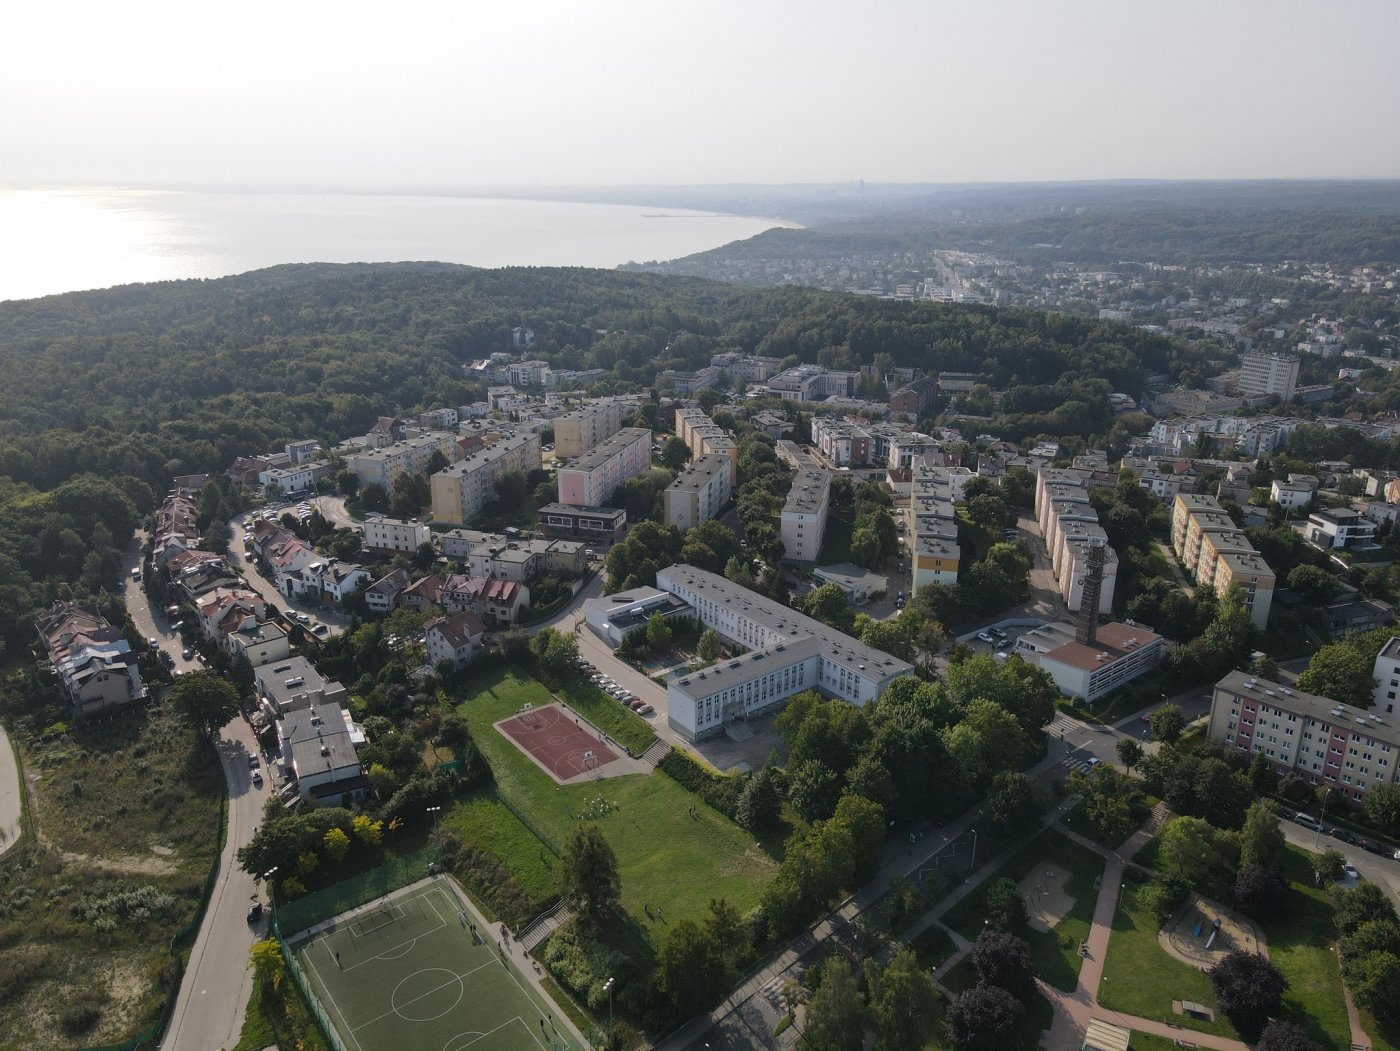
(335,622)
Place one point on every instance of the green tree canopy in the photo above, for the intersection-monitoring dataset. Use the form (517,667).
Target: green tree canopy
(588,874)
(206,699)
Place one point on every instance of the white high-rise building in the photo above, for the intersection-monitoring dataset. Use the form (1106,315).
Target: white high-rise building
(1265,372)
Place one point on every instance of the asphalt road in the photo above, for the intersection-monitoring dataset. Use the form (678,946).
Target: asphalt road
(335,622)
(10,797)
(208,1013)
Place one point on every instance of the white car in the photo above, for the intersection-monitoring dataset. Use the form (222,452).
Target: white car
(986,637)
(1350,871)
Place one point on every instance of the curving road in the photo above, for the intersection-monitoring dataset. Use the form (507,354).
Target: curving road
(208,1012)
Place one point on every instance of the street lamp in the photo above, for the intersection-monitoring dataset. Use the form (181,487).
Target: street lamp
(1317,840)
(972,866)
(433,836)
(271,898)
(608,988)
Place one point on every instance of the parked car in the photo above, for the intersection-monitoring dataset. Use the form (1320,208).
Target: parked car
(636,704)
(983,636)
(1350,871)
(257,777)
(1004,644)
(645,709)
(997,632)
(1308,821)
(255,912)
(320,629)
(1147,715)
(1373,847)
(1094,761)
(253,761)
(1342,834)
(187,653)
(153,643)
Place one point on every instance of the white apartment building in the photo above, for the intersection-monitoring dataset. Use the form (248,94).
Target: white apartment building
(1340,527)
(410,456)
(1070,525)
(698,492)
(462,490)
(790,652)
(1386,672)
(394,534)
(1290,495)
(935,555)
(1266,372)
(591,480)
(802,526)
(295,479)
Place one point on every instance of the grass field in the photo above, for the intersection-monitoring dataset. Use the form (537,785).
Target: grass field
(669,861)
(1054,953)
(1139,978)
(127,814)
(616,719)
(411,974)
(1300,937)
(483,820)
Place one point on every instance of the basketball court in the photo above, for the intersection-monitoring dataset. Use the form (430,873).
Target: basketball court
(419,970)
(562,745)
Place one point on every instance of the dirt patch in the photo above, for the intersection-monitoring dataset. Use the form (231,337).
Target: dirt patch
(1043,891)
(1189,930)
(127,864)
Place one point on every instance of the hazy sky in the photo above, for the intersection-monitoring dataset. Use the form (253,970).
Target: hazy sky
(492,92)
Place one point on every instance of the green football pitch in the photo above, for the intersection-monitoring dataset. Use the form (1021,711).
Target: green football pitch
(416,971)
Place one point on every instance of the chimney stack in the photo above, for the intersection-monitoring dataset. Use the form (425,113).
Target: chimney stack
(1088,625)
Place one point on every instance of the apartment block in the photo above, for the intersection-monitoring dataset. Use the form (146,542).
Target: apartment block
(935,555)
(789,653)
(1330,745)
(462,490)
(580,430)
(592,479)
(385,465)
(1209,545)
(1070,525)
(1263,373)
(802,525)
(698,493)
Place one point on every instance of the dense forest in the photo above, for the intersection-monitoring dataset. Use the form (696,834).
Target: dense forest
(111,393)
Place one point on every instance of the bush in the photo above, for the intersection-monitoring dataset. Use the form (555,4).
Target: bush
(490,880)
(719,791)
(1162,897)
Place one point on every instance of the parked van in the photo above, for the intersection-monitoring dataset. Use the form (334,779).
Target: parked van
(1308,821)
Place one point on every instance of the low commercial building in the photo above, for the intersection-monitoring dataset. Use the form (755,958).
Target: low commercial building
(595,476)
(698,493)
(1113,655)
(858,583)
(790,652)
(590,525)
(294,479)
(614,617)
(802,524)
(1329,745)
(463,489)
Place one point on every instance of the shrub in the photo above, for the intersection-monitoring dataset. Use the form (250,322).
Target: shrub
(719,791)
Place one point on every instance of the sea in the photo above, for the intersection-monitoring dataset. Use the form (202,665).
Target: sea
(67,238)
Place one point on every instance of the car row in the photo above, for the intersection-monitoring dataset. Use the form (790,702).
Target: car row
(616,691)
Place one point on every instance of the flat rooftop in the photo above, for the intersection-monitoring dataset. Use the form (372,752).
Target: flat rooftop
(1310,706)
(808,491)
(608,448)
(1112,642)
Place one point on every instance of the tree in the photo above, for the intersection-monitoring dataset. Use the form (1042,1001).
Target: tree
(813,788)
(1285,1036)
(206,699)
(1261,842)
(1107,798)
(829,605)
(555,650)
(1340,673)
(1264,667)
(836,1011)
(658,633)
(1006,909)
(1314,585)
(675,454)
(269,968)
(1004,960)
(1013,803)
(1259,891)
(1167,724)
(588,875)
(1201,855)
(903,1003)
(865,549)
(984,1018)
(1355,906)
(347,483)
(987,510)
(710,646)
(1382,807)
(760,802)
(511,489)
(690,968)
(1331,864)
(336,843)
(1249,990)
(1129,753)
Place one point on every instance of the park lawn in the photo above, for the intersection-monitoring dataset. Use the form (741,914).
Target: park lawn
(483,821)
(615,719)
(1054,953)
(674,851)
(1139,978)
(1385,1036)
(1301,938)
(932,946)
(1150,1042)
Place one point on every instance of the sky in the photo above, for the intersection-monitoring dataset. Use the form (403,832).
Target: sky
(493,93)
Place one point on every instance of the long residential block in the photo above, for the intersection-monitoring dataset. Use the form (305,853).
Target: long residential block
(385,465)
(1209,544)
(462,490)
(802,525)
(790,652)
(698,493)
(592,479)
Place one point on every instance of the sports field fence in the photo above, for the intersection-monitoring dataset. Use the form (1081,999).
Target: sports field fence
(296,916)
(332,1034)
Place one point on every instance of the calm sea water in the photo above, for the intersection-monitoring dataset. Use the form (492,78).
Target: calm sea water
(62,239)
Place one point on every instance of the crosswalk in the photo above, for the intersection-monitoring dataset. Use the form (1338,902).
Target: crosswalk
(1069,764)
(1063,725)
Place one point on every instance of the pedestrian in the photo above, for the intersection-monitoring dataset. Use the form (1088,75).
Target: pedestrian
(337,961)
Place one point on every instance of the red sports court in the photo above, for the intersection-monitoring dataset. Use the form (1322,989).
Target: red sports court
(562,746)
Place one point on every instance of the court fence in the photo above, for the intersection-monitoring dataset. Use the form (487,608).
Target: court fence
(540,833)
(307,911)
(330,1032)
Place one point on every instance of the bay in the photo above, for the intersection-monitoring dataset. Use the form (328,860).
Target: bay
(67,238)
